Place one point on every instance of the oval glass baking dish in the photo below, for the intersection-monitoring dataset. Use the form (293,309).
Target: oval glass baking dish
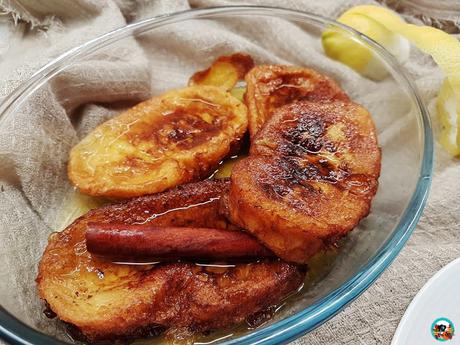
(271,35)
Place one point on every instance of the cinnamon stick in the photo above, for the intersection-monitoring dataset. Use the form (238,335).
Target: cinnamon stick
(122,242)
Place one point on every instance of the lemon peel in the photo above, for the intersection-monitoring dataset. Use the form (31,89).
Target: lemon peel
(445,51)
(449,115)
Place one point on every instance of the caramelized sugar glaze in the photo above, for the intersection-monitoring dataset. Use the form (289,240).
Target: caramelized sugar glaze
(168,140)
(309,179)
(225,72)
(104,299)
(272,86)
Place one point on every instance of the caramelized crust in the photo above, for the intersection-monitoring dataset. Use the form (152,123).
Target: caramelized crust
(272,86)
(225,72)
(108,301)
(165,141)
(309,179)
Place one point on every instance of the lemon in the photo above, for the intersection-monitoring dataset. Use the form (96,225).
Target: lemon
(448,111)
(341,46)
(443,48)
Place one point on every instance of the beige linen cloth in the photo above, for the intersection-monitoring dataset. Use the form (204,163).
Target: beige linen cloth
(121,75)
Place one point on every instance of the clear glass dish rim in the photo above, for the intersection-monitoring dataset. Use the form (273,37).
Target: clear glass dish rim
(283,331)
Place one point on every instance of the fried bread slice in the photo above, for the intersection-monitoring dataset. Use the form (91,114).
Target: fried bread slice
(272,86)
(178,137)
(106,301)
(225,71)
(309,179)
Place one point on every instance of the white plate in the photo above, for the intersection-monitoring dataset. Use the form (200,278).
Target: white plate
(438,302)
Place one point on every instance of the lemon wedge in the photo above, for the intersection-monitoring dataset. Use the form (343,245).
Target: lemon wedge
(443,48)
